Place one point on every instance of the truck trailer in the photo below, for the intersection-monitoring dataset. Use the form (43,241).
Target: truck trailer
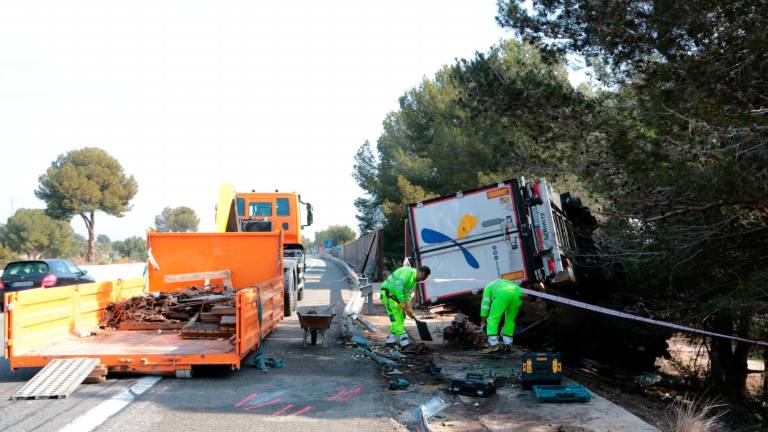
(514,230)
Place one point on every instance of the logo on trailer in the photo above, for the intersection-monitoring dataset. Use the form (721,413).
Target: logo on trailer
(466,225)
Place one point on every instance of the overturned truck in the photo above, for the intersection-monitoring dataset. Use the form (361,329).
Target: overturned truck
(514,230)
(524,231)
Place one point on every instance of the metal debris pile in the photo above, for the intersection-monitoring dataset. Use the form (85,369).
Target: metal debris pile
(198,313)
(464,333)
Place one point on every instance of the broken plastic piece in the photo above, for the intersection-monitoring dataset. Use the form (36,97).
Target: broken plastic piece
(427,410)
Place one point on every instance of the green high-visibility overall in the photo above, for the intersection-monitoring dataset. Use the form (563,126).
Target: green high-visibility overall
(501,297)
(397,289)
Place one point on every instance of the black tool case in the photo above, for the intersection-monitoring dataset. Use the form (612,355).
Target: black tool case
(476,385)
(541,368)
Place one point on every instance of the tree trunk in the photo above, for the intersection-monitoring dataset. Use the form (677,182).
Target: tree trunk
(91,236)
(728,362)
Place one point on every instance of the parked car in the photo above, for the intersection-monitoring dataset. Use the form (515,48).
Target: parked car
(45,273)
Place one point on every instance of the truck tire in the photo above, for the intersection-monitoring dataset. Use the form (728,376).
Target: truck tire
(290,294)
(300,292)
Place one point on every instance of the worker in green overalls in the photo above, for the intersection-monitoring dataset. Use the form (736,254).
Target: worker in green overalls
(396,293)
(500,297)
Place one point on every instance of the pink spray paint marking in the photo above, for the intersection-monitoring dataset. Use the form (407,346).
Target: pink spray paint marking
(245,400)
(261,405)
(301,411)
(338,395)
(357,390)
(282,410)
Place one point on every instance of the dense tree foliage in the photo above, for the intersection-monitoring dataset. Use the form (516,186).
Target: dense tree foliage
(338,234)
(178,219)
(31,233)
(83,181)
(133,248)
(680,153)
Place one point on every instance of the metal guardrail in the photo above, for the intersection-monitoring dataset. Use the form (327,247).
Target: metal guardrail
(366,251)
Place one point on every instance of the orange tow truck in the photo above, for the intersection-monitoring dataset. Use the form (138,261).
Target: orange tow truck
(270,212)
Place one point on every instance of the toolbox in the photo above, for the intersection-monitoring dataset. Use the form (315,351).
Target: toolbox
(541,368)
(562,393)
(476,385)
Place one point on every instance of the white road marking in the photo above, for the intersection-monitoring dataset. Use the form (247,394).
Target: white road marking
(97,415)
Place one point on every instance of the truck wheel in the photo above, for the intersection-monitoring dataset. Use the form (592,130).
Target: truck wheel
(314,337)
(290,294)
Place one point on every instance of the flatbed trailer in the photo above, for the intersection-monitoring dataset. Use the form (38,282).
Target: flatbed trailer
(50,323)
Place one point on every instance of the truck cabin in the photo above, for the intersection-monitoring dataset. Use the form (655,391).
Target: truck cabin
(267,212)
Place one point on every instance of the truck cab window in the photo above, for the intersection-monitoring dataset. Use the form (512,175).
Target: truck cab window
(240,206)
(283,207)
(260,209)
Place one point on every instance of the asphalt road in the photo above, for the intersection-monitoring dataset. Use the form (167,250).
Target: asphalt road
(326,389)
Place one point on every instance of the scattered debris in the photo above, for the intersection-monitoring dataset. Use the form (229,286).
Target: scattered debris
(464,333)
(399,384)
(377,358)
(427,410)
(361,341)
(394,372)
(648,379)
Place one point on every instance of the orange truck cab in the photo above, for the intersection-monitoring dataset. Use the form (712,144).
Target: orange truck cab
(270,212)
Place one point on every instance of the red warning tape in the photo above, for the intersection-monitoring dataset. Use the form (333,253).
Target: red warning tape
(625,315)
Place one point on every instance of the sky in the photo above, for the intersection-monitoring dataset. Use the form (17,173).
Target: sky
(188,95)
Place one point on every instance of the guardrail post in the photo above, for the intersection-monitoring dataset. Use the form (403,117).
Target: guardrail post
(366,289)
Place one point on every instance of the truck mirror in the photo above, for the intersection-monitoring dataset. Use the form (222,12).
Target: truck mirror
(309,214)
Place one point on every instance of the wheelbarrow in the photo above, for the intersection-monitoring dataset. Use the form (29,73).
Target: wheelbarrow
(314,320)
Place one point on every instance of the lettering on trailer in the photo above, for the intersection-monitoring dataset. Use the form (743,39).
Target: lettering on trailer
(495,251)
(544,230)
(625,315)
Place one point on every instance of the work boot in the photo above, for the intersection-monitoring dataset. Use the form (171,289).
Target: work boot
(391,339)
(405,341)
(507,340)
(493,345)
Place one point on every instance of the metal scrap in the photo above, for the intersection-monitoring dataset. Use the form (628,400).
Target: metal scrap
(205,312)
(427,410)
(377,358)
(464,333)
